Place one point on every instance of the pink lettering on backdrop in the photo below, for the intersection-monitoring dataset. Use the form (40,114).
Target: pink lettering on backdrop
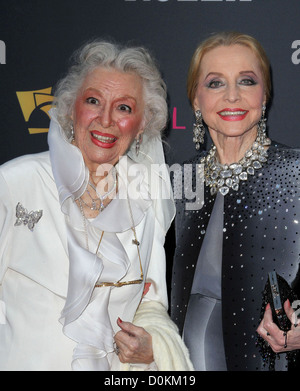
(175,120)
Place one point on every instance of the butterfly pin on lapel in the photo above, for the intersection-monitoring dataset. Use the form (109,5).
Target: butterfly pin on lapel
(29,219)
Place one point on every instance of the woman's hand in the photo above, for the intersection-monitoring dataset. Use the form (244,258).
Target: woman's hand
(134,344)
(277,339)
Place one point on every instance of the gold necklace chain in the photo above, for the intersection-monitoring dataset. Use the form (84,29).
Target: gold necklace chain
(119,283)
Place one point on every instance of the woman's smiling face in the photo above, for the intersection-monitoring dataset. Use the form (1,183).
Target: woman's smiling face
(230,91)
(108,115)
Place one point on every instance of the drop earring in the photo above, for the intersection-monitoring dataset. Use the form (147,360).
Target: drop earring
(262,128)
(72,133)
(138,144)
(198,130)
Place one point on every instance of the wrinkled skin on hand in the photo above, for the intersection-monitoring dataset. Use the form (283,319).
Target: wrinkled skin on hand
(275,337)
(134,344)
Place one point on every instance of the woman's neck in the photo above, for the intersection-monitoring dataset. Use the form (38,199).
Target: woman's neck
(99,193)
(232,149)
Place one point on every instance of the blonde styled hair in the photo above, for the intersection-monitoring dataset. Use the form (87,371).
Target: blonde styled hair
(227,39)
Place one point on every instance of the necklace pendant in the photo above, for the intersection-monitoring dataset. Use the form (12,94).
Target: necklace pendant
(213,189)
(237,169)
(224,190)
(235,186)
(257,165)
(136,242)
(243,176)
(250,170)
(229,182)
(225,173)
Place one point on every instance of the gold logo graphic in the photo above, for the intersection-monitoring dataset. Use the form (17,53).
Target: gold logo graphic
(34,105)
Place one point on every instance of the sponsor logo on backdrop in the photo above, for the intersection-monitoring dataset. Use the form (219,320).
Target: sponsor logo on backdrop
(2,52)
(35,106)
(296,53)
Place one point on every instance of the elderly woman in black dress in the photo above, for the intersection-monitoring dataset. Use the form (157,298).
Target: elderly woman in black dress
(246,224)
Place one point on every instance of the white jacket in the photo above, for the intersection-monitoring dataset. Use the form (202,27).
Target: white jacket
(34,272)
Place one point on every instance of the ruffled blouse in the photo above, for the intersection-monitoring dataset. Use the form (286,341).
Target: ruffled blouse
(85,316)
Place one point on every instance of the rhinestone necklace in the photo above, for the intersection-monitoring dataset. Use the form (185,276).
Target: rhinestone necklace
(223,177)
(94,201)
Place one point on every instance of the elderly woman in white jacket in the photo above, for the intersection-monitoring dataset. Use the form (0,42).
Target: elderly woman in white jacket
(82,262)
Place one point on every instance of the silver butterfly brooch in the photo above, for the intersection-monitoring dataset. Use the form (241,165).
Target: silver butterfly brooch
(29,219)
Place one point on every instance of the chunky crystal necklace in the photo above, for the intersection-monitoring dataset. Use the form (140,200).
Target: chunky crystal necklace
(223,177)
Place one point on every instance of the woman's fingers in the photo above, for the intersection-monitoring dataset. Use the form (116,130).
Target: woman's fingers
(134,343)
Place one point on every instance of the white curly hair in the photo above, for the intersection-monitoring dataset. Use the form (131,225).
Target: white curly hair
(106,54)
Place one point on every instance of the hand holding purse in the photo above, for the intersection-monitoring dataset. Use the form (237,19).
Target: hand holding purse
(276,292)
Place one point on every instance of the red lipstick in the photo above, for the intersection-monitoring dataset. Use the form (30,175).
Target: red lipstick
(103,140)
(233,114)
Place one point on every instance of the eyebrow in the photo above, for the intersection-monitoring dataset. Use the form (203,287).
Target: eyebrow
(247,72)
(221,74)
(212,73)
(92,89)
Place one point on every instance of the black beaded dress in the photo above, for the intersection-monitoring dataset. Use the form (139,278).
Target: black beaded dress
(224,252)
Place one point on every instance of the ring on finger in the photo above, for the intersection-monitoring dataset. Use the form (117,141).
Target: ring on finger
(116,349)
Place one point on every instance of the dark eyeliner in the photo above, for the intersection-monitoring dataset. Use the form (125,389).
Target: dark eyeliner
(211,83)
(251,80)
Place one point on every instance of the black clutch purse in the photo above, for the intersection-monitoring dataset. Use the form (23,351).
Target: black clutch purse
(276,292)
